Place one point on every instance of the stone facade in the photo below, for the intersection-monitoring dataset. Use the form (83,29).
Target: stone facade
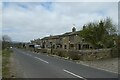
(70,45)
(66,41)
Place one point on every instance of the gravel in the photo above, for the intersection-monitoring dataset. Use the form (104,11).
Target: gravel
(110,65)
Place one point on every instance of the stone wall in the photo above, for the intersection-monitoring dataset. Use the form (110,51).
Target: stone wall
(96,54)
(80,54)
(83,54)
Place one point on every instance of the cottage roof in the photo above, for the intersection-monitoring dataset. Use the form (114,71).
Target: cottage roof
(71,33)
(63,35)
(45,38)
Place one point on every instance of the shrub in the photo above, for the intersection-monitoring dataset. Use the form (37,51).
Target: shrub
(74,55)
(61,53)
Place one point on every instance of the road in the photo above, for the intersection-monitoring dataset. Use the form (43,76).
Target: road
(33,65)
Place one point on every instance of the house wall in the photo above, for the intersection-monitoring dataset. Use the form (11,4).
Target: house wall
(73,42)
(65,42)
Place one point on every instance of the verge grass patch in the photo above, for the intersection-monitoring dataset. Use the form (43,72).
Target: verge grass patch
(6,53)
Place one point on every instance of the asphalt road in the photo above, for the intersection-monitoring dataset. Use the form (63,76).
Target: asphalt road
(33,65)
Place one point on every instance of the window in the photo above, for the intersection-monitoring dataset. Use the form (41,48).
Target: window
(57,46)
(65,46)
(86,46)
(60,46)
(53,46)
(83,39)
(79,46)
(71,45)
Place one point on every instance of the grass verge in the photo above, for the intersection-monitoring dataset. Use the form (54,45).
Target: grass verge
(6,53)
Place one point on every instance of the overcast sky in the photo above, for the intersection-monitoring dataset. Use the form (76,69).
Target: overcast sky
(25,21)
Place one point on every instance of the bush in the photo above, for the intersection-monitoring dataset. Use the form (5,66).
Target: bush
(43,50)
(74,55)
(71,54)
(61,53)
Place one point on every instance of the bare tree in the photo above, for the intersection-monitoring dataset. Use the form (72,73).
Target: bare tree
(6,38)
(6,41)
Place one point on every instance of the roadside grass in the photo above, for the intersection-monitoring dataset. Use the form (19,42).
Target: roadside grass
(0,63)
(6,53)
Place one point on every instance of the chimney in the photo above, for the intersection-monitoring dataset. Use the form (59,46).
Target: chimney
(73,29)
(84,27)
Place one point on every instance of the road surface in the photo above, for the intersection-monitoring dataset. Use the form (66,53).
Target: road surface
(33,65)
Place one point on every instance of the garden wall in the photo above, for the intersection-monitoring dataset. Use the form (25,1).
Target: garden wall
(94,54)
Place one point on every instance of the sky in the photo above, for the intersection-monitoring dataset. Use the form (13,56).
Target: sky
(25,21)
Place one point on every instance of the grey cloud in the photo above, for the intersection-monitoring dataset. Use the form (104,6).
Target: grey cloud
(37,22)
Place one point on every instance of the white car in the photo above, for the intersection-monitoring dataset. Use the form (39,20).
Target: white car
(11,47)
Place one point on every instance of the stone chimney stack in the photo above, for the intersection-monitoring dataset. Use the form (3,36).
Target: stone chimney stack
(73,29)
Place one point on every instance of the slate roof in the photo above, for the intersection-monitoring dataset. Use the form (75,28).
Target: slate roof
(63,35)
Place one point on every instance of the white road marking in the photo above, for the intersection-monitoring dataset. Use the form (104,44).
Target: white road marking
(37,58)
(41,60)
(73,74)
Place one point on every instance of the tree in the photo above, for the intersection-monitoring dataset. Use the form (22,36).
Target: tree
(6,41)
(109,26)
(100,34)
(118,44)
(110,34)
(90,34)
(0,44)
(6,38)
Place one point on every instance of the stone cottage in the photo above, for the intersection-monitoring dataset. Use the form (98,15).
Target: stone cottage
(68,41)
